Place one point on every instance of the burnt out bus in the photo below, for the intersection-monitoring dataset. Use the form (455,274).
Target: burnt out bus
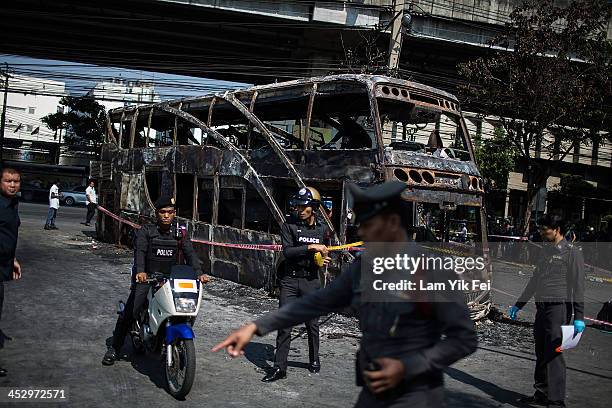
(232,160)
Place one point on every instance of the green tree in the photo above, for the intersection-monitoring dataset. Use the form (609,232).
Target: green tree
(548,82)
(83,119)
(495,158)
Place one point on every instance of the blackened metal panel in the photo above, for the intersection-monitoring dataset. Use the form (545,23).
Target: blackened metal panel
(248,267)
(414,159)
(236,158)
(131,191)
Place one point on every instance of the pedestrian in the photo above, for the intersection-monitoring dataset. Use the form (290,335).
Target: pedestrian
(405,345)
(300,276)
(54,196)
(463,232)
(10,269)
(558,286)
(92,201)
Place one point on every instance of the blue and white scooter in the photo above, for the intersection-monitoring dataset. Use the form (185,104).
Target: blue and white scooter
(166,326)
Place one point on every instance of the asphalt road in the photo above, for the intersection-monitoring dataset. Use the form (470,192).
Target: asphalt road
(62,312)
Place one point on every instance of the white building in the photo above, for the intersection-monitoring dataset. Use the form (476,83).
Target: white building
(120,92)
(28,100)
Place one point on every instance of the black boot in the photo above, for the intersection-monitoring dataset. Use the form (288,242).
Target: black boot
(314,367)
(274,375)
(536,399)
(109,357)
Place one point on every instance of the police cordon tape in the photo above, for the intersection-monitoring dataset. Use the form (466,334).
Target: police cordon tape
(590,319)
(356,246)
(116,217)
(256,247)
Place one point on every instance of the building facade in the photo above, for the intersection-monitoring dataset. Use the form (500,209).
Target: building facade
(119,93)
(589,164)
(26,137)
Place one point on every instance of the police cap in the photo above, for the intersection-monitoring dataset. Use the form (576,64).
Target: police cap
(373,200)
(164,201)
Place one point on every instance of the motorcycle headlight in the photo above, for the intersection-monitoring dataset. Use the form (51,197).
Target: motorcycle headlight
(185,305)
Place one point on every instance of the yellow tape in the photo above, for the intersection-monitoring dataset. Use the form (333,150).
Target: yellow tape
(345,246)
(318,258)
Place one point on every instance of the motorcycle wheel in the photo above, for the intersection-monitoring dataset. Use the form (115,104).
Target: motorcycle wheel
(180,376)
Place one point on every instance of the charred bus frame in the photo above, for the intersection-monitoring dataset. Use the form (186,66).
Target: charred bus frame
(231,160)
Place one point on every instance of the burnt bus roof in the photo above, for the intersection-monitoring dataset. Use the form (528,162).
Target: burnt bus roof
(301,86)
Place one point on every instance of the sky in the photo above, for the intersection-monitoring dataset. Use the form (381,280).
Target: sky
(79,78)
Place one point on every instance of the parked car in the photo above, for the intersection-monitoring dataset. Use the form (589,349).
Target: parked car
(34,193)
(75,196)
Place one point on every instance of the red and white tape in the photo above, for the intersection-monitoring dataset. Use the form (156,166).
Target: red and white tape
(585,317)
(598,321)
(116,217)
(256,247)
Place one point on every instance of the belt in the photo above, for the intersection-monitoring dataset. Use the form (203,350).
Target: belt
(301,274)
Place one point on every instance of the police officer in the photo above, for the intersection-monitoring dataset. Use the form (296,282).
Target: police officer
(300,275)
(558,286)
(155,250)
(404,345)
(10,269)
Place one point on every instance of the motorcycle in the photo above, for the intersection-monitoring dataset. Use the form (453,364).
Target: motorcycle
(166,325)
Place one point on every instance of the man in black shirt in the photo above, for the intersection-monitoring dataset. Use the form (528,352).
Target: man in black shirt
(163,230)
(404,345)
(558,286)
(10,183)
(300,275)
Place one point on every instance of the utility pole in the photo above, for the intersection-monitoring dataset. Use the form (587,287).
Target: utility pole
(3,119)
(395,45)
(59,146)
(402,22)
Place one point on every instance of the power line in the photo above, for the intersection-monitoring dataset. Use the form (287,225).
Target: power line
(270,13)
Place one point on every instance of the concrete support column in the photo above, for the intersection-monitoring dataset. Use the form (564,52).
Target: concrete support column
(507,206)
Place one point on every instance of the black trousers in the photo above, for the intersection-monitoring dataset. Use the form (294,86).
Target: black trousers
(426,398)
(1,297)
(135,304)
(290,290)
(91,210)
(2,335)
(549,376)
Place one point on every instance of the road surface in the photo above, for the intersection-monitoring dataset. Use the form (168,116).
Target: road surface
(61,314)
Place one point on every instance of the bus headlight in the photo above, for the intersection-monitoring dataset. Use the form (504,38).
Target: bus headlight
(185,305)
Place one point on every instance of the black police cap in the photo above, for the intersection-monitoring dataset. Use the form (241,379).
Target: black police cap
(164,201)
(373,200)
